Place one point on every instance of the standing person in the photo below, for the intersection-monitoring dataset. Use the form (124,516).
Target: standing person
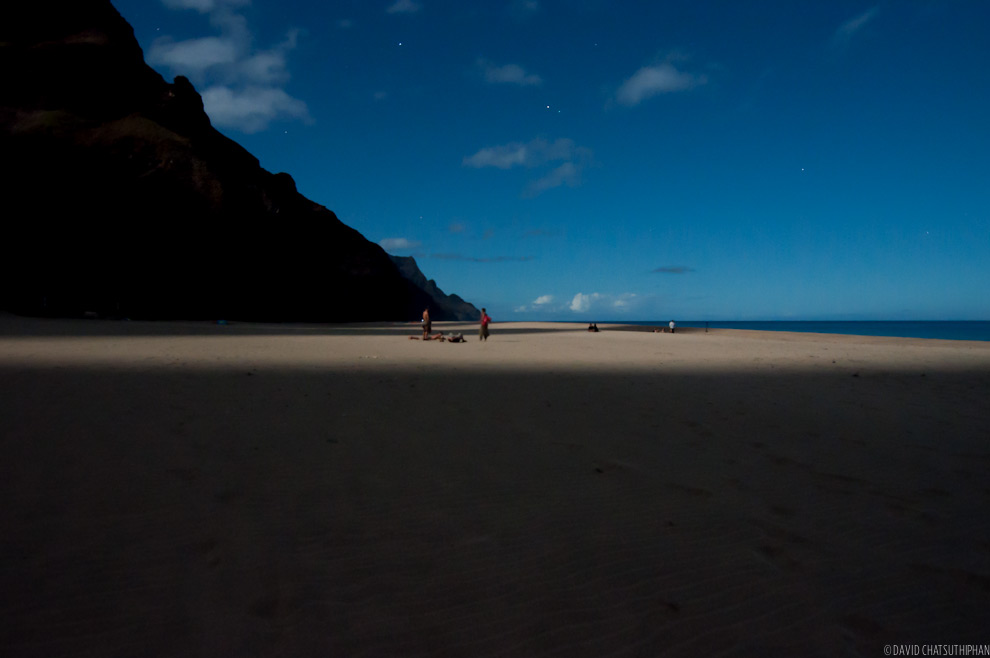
(485,321)
(672,326)
(427,325)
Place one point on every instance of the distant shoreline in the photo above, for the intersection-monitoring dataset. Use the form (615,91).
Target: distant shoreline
(978,330)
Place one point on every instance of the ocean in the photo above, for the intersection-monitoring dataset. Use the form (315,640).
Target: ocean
(968,330)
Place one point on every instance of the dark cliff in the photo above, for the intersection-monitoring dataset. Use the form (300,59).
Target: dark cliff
(442,305)
(121,198)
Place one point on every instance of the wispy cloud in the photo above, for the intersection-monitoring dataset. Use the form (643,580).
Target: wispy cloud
(242,87)
(398,244)
(673,269)
(509,74)
(194,55)
(650,81)
(502,157)
(568,174)
(537,153)
(404,7)
(851,27)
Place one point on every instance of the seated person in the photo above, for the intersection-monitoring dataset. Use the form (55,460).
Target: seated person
(437,336)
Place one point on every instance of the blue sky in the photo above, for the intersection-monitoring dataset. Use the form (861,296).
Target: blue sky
(593,160)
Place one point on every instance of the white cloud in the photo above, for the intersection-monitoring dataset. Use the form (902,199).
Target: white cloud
(509,74)
(582,302)
(541,303)
(602,303)
(537,153)
(194,55)
(251,109)
(848,29)
(404,7)
(652,80)
(503,157)
(244,87)
(264,67)
(563,149)
(566,174)
(395,244)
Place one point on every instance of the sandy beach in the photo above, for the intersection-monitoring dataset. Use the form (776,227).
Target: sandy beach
(193,489)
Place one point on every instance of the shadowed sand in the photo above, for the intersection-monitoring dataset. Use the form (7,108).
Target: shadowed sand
(182,489)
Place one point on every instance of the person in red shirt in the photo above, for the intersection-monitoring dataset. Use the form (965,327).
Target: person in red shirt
(485,321)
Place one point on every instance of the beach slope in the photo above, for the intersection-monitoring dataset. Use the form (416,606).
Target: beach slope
(185,489)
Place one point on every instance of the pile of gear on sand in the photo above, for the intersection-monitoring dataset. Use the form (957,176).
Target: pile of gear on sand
(453,338)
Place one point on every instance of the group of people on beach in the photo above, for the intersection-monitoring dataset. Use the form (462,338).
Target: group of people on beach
(453,338)
(486,320)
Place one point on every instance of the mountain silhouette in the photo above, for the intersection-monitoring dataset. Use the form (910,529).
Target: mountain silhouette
(122,200)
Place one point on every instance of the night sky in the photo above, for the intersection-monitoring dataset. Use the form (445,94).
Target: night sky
(635,160)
